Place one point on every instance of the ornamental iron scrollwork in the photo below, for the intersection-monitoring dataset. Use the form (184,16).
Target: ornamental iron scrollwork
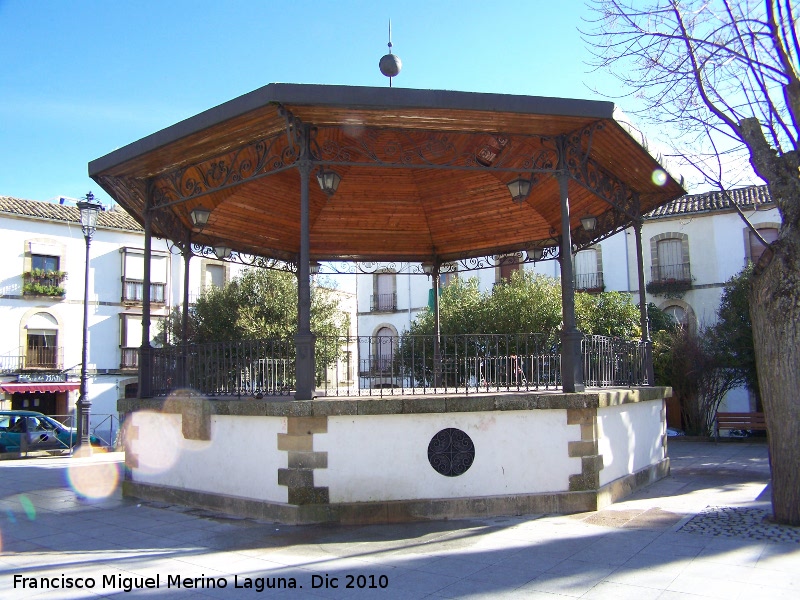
(549,249)
(586,171)
(430,149)
(451,452)
(262,157)
(611,222)
(243,258)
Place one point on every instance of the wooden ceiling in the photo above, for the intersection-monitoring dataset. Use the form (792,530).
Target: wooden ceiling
(412,183)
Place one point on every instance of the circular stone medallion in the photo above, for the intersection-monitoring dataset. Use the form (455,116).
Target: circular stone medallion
(451,452)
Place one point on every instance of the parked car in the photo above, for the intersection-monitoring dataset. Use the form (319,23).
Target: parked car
(40,432)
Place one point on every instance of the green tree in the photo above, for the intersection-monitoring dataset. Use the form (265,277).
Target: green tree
(461,308)
(610,313)
(659,320)
(261,304)
(527,303)
(733,331)
(501,321)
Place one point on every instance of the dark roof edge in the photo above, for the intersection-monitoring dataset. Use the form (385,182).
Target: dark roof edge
(355,97)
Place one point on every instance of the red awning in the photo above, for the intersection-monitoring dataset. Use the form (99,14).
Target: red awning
(31,388)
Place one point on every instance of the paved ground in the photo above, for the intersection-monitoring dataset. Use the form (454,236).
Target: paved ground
(701,532)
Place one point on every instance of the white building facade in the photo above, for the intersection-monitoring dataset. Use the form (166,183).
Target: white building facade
(41,307)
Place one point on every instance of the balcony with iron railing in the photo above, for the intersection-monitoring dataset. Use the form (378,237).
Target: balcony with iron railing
(133,291)
(663,273)
(670,280)
(11,363)
(43,357)
(591,283)
(383,302)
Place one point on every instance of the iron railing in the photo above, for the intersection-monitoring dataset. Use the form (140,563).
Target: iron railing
(383,302)
(104,427)
(397,365)
(613,362)
(589,282)
(662,273)
(247,368)
(11,363)
(44,357)
(466,364)
(133,291)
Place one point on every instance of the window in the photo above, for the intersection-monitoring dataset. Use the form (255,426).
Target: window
(348,365)
(508,266)
(44,263)
(41,344)
(588,275)
(42,351)
(677,313)
(131,338)
(770,234)
(670,258)
(384,297)
(448,274)
(384,349)
(133,276)
(215,275)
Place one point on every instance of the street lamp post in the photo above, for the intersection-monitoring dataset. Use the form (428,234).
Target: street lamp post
(89,210)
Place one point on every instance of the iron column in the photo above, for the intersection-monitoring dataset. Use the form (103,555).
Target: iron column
(304,340)
(644,320)
(571,337)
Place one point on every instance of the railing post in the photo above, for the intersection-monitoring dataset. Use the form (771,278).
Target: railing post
(437,331)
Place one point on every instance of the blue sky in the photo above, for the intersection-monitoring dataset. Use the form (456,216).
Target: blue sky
(80,78)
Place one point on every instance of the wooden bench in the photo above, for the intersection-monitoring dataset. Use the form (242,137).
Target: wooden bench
(739,420)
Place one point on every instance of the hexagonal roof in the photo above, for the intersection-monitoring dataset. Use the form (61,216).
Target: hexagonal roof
(424,173)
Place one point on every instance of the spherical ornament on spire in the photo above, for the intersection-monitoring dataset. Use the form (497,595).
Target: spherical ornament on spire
(390,65)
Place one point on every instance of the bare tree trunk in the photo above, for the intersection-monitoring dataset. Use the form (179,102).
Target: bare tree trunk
(775,314)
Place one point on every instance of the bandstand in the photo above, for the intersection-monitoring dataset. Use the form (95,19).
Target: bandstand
(297,176)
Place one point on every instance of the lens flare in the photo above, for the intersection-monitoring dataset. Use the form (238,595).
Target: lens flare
(93,479)
(28,507)
(659,177)
(155,439)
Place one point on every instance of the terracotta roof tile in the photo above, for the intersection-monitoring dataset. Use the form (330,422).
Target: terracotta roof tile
(111,219)
(752,196)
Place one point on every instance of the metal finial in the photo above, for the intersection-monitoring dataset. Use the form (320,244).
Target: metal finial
(390,64)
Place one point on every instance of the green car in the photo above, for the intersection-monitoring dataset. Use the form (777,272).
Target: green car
(40,432)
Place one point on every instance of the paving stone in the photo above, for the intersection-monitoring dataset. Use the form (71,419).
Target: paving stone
(741,522)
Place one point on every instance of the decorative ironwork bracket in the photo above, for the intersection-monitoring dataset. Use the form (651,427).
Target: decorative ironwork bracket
(549,249)
(576,151)
(242,258)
